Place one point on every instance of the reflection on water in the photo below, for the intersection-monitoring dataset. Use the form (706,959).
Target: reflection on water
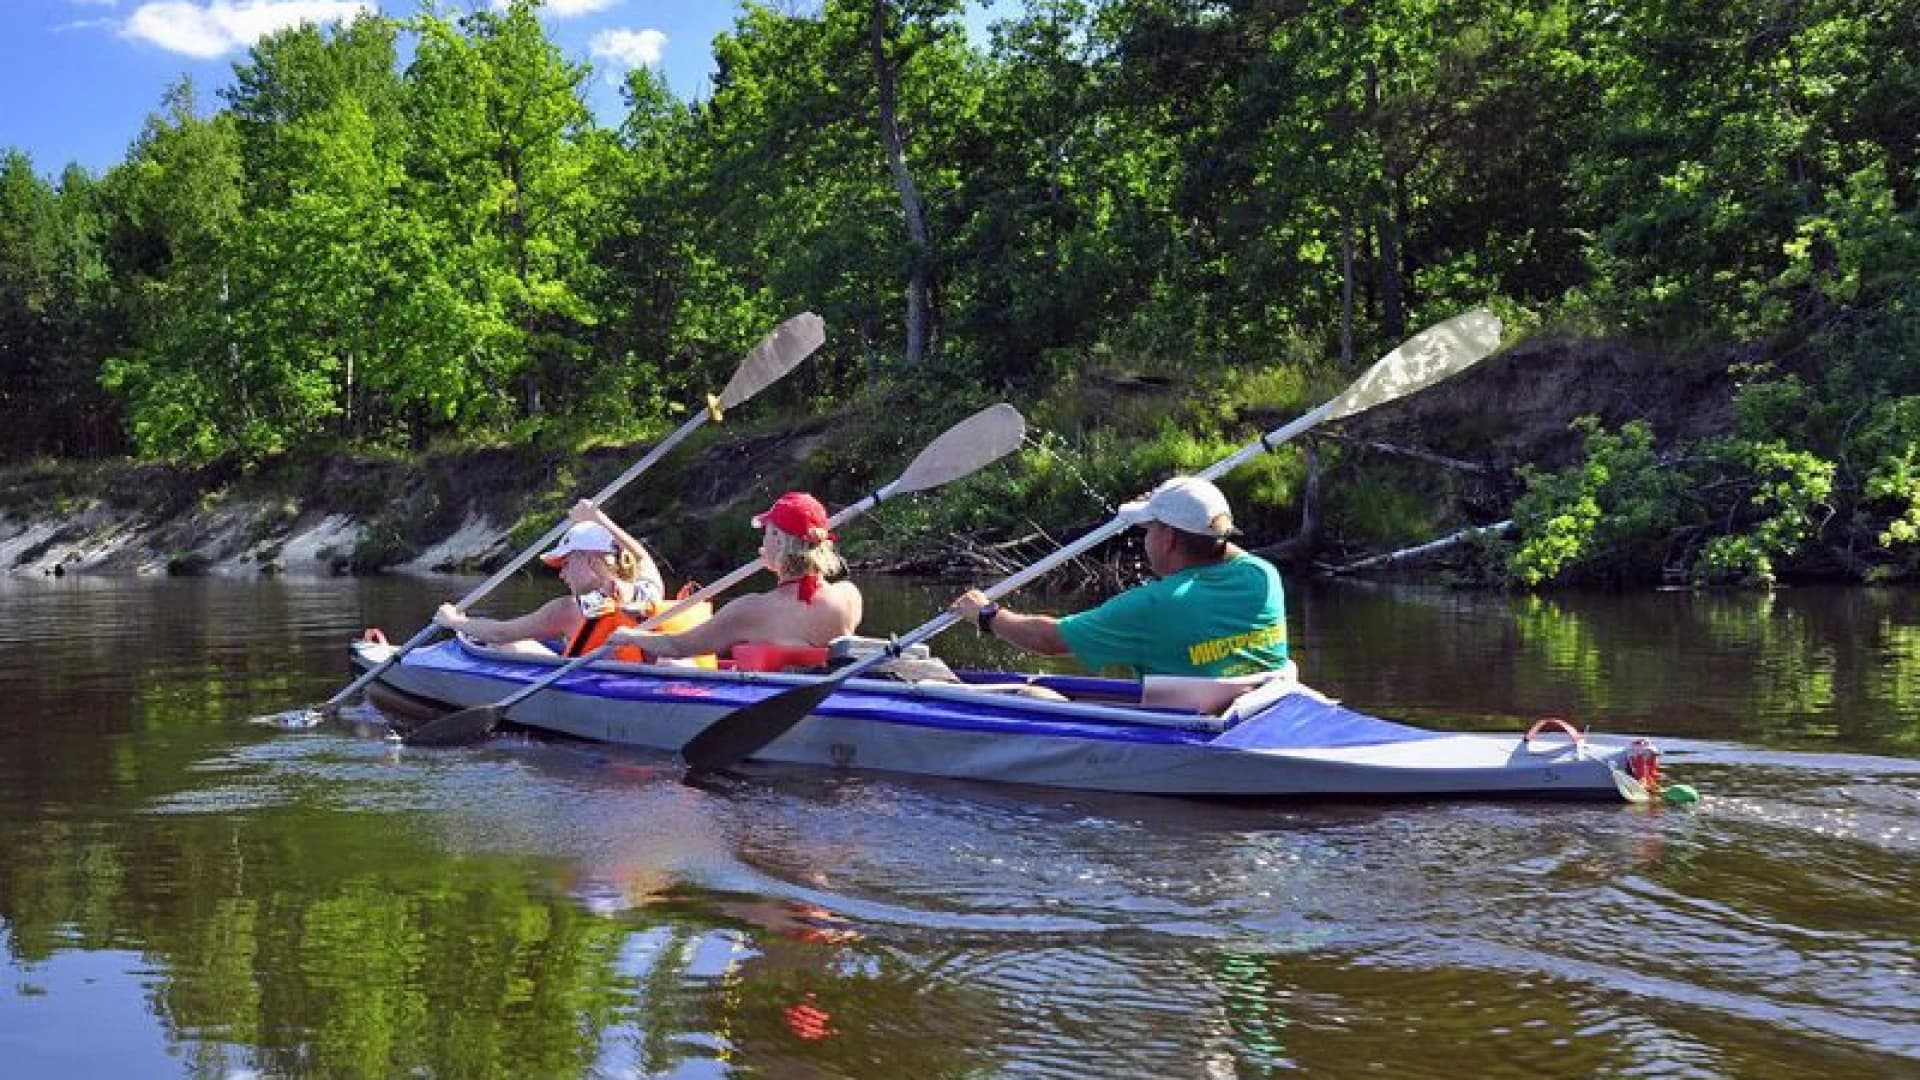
(1813,668)
(186,893)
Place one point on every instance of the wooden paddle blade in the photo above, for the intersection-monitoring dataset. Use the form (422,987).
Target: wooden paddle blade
(736,736)
(1424,359)
(965,448)
(778,353)
(1629,788)
(456,729)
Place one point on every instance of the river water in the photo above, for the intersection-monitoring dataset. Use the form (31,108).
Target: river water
(187,891)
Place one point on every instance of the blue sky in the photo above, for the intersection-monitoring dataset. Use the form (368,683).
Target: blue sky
(78,77)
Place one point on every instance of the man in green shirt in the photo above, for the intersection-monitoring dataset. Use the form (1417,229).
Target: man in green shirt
(1214,610)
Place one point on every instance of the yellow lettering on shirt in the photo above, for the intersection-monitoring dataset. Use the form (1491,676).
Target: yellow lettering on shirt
(1208,652)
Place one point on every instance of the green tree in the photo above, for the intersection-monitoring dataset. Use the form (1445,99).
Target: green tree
(1059,206)
(287,83)
(55,315)
(1753,143)
(821,164)
(181,373)
(647,255)
(1721,512)
(354,296)
(502,162)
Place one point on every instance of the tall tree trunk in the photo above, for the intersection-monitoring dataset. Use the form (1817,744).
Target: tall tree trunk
(1393,307)
(1346,284)
(919,287)
(1388,221)
(1310,499)
(237,377)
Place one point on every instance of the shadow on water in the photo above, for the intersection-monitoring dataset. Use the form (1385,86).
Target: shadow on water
(184,892)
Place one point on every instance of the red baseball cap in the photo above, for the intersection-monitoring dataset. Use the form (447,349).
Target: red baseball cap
(799,515)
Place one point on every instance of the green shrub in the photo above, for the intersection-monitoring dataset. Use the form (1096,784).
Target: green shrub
(1609,519)
(1722,513)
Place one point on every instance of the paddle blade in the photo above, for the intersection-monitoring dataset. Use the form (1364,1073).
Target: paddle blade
(1422,360)
(1629,788)
(456,729)
(778,353)
(966,447)
(738,735)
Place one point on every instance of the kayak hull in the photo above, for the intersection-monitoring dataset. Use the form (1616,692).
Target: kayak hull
(1284,740)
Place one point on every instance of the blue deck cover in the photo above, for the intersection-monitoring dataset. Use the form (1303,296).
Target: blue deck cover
(1305,722)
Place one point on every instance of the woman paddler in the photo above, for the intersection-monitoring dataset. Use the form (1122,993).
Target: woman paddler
(611,582)
(805,609)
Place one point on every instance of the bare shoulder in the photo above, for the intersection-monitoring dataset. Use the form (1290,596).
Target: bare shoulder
(744,605)
(841,595)
(847,602)
(557,617)
(743,614)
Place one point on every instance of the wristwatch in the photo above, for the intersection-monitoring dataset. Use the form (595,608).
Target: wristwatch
(983,620)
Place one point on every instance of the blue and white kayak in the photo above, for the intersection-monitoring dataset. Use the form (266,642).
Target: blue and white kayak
(1279,738)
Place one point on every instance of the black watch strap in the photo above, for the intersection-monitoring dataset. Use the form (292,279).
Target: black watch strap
(984,620)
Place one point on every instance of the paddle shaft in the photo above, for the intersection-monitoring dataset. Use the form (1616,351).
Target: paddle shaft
(961,450)
(1460,342)
(710,748)
(775,355)
(551,536)
(1421,361)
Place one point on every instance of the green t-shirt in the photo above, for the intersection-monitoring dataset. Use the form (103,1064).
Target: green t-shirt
(1227,618)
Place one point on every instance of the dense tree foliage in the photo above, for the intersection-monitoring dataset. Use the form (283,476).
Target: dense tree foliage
(355,252)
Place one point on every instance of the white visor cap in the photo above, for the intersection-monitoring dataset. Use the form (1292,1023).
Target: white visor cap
(584,536)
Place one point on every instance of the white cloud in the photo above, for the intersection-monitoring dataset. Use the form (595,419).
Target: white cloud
(629,48)
(567,9)
(86,24)
(220,27)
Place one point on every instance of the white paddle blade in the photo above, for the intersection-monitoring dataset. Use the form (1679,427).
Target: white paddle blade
(966,447)
(1422,360)
(778,353)
(1629,788)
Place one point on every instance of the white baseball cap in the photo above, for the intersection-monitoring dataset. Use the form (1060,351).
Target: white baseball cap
(583,536)
(1187,503)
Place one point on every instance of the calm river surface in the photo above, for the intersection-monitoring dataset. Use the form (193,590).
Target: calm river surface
(185,891)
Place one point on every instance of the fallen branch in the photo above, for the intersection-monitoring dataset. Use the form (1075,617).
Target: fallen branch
(1415,453)
(1421,551)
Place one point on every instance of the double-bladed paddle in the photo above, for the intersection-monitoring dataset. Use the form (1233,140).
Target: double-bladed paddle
(973,443)
(776,354)
(1419,362)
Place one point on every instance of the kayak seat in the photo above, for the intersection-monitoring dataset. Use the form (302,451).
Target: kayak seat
(915,663)
(1264,696)
(853,647)
(761,656)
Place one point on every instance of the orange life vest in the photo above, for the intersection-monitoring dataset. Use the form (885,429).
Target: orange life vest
(593,632)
